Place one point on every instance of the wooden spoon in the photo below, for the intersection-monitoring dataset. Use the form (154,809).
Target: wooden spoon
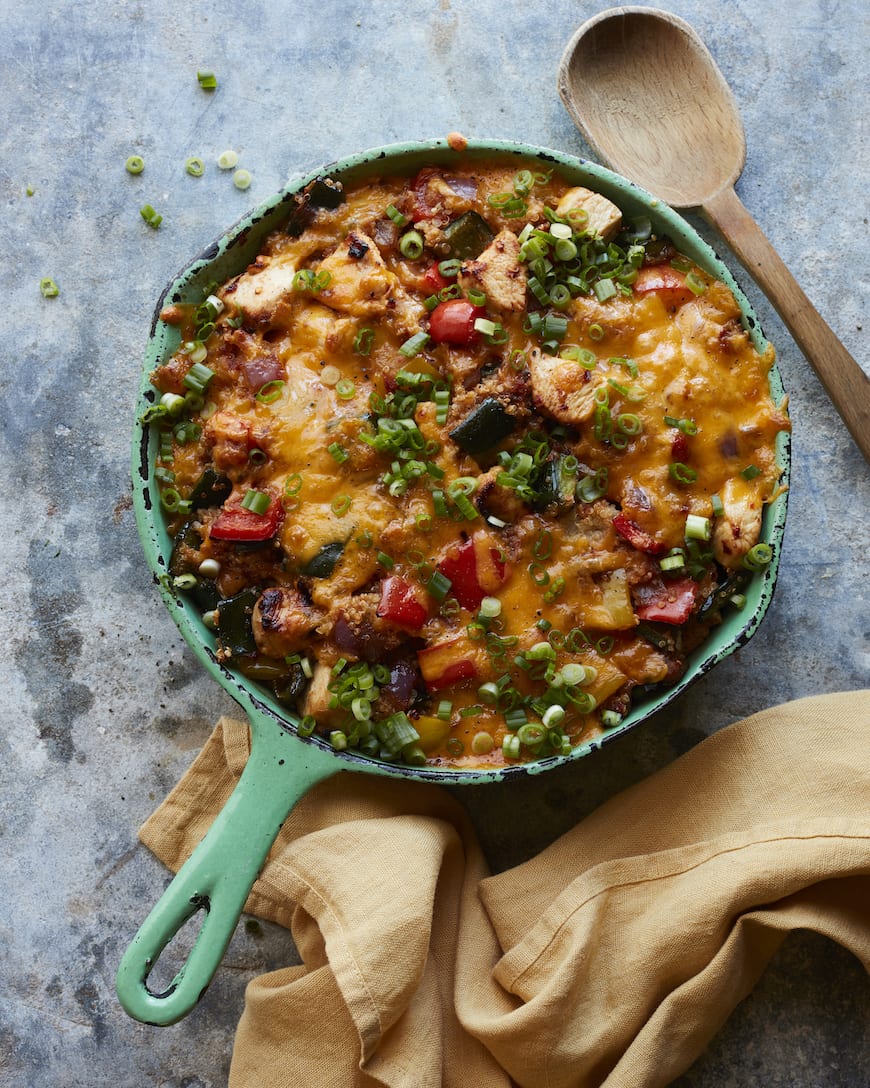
(648,97)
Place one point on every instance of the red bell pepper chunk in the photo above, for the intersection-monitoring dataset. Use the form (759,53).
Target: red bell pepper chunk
(400,602)
(236,524)
(460,566)
(446,663)
(452,322)
(468,565)
(668,283)
(679,447)
(433,280)
(674,604)
(637,537)
(459,670)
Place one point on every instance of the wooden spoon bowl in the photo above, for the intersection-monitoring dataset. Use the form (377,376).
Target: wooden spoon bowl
(648,97)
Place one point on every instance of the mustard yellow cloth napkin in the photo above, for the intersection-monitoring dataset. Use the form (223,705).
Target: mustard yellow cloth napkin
(611,958)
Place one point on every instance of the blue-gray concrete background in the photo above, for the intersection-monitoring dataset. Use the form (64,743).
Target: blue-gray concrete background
(103,705)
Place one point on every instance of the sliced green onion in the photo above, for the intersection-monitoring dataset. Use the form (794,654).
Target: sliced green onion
(338,453)
(340,505)
(697,528)
(466,508)
(270,392)
(687,426)
(414,345)
(173,403)
(411,245)
(523,182)
(462,485)
(530,735)
(171,500)
(604,289)
(490,607)
(338,740)
(482,744)
(242,179)
(396,732)
(362,343)
(677,561)
(556,588)
(207,80)
(632,393)
(438,585)
(629,423)
(196,350)
(195,167)
(758,557)
(385,560)
(445,709)
(198,377)
(695,284)
(150,216)
(256,501)
(682,473)
(750,472)
(49,288)
(345,389)
(609,718)
(396,216)
(228,160)
(442,405)
(135,164)
(450,269)
(484,325)
(488,693)
(510,746)
(209,568)
(595,332)
(293,485)
(476,298)
(306,726)
(718,506)
(575,674)
(553,715)
(541,651)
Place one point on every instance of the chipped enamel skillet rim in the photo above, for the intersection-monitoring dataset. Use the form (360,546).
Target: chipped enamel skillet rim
(283,766)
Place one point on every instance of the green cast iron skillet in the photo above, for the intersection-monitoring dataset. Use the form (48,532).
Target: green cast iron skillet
(283,766)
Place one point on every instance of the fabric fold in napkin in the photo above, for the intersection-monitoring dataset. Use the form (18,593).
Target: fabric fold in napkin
(611,958)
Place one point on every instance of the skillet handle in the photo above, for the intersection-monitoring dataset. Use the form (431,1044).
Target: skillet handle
(219,873)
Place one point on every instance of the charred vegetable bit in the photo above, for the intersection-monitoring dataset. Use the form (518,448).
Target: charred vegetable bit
(432,480)
(484,427)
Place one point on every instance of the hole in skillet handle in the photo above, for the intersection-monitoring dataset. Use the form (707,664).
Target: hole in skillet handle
(170,961)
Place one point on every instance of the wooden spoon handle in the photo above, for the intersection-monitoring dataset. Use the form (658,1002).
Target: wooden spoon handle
(845,382)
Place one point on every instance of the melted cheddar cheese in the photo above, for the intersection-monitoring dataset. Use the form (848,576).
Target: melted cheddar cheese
(447,509)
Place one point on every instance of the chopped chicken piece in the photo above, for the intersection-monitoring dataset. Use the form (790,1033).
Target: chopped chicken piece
(562,388)
(739,528)
(361,285)
(318,696)
(360,281)
(603,217)
(282,622)
(498,273)
(262,288)
(230,439)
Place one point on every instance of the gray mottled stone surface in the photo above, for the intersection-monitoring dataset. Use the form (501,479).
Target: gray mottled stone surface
(103,706)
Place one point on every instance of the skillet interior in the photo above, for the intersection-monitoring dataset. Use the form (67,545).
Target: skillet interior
(231,253)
